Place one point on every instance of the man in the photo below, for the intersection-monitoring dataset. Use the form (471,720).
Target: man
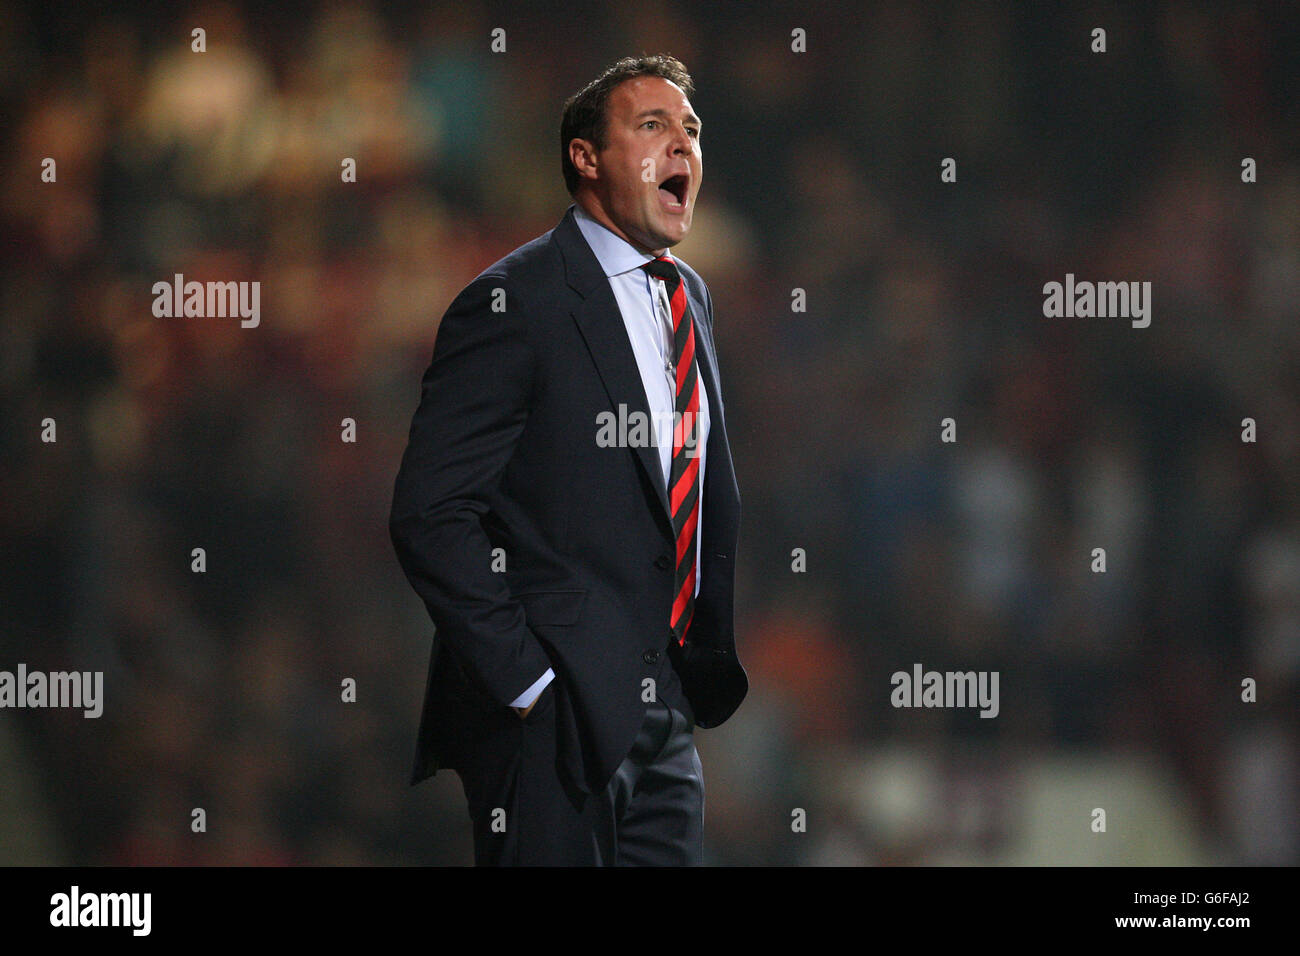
(567,509)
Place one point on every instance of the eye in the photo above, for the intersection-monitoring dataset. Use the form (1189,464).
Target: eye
(650,122)
(694,131)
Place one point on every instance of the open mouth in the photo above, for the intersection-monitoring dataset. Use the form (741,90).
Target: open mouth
(672,191)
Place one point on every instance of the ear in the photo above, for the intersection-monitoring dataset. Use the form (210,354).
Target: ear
(582,153)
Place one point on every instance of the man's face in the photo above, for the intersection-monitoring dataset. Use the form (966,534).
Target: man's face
(646,178)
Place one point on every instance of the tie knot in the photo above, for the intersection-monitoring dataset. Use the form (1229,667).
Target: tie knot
(663,268)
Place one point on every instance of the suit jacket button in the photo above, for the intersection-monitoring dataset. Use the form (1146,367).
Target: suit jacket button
(650,657)
(662,562)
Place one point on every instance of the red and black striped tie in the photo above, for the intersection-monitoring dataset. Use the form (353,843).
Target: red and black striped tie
(684,474)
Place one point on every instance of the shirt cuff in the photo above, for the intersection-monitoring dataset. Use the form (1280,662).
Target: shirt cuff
(527,697)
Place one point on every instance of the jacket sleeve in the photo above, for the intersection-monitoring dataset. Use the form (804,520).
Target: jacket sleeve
(473,406)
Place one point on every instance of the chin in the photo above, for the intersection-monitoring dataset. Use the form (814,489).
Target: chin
(675,235)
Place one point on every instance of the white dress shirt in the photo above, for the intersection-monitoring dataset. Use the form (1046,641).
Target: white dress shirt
(647,316)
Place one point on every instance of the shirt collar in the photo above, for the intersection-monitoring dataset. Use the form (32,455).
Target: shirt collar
(615,254)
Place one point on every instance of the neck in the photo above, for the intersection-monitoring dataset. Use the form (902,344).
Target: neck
(593,207)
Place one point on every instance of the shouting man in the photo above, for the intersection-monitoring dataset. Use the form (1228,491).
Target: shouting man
(568,511)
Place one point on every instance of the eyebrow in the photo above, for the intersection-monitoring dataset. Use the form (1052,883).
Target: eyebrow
(663,114)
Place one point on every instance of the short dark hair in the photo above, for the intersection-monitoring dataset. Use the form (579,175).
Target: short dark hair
(585,112)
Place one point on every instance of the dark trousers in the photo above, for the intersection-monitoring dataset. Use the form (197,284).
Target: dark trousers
(651,814)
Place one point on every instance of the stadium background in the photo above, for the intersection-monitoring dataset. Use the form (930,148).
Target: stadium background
(1119,691)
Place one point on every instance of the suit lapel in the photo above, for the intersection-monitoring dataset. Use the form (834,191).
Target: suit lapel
(602,327)
(601,324)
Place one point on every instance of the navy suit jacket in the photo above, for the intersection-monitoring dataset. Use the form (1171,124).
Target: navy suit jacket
(531,545)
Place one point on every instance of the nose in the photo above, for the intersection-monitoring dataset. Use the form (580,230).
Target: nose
(682,141)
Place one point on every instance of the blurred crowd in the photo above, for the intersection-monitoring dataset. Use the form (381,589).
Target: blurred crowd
(1121,690)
